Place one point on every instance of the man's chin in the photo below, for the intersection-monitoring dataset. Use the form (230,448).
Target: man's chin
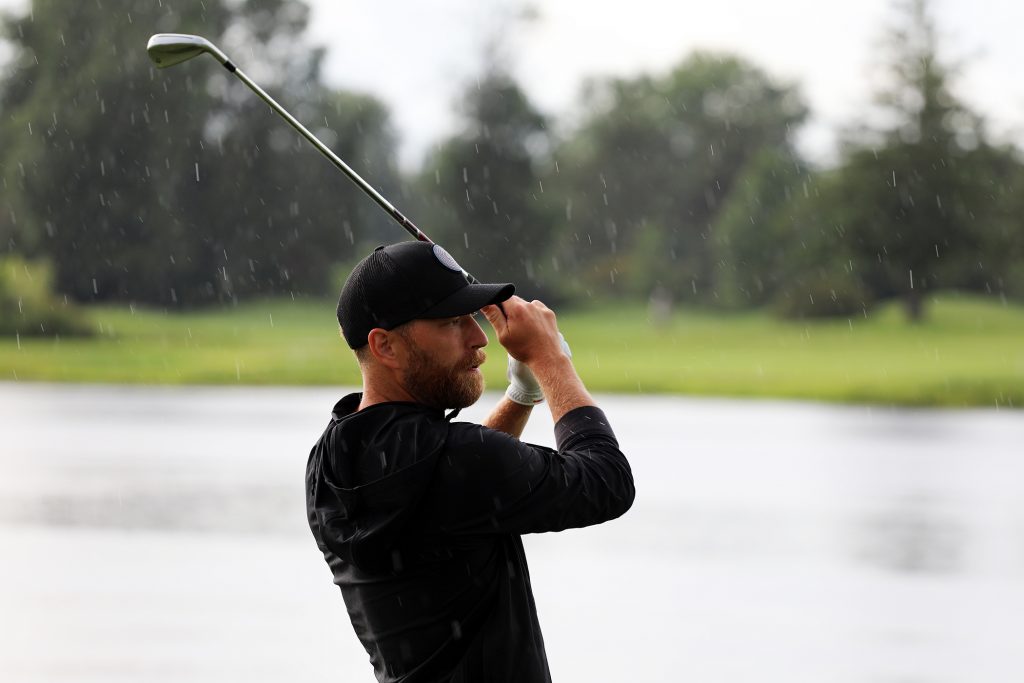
(472,392)
(445,390)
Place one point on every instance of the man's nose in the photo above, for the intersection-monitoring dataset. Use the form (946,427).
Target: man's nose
(478,338)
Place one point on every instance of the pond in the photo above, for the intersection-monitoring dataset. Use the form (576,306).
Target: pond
(158,534)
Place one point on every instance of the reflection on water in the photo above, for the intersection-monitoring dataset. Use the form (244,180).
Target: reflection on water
(159,535)
(912,536)
(251,509)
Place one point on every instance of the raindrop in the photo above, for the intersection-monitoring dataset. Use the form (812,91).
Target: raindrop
(30,128)
(197,171)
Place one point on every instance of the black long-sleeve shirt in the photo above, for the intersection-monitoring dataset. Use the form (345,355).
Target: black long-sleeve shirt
(419,520)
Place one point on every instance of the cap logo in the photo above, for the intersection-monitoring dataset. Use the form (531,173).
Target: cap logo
(446,259)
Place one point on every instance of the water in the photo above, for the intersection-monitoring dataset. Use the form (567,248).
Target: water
(159,535)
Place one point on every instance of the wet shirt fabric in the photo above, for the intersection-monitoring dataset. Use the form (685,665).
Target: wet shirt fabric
(419,519)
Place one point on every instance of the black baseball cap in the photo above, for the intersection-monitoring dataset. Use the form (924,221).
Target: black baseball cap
(405,281)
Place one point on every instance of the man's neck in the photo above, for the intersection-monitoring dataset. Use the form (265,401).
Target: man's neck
(377,390)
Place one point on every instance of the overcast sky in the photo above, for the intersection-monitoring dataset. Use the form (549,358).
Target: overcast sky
(418,55)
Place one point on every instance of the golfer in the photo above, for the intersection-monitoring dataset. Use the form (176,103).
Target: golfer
(419,516)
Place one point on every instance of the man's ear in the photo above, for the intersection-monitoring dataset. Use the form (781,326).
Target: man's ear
(382,344)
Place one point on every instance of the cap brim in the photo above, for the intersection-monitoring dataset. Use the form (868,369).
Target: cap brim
(470,299)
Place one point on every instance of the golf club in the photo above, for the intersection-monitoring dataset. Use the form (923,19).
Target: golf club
(168,49)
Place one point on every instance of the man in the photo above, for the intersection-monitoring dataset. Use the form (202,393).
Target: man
(419,517)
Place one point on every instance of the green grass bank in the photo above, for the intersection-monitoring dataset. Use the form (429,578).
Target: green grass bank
(968,352)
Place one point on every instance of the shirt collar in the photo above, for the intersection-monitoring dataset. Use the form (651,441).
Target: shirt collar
(350,404)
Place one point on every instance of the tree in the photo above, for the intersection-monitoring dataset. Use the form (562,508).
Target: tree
(779,242)
(176,186)
(86,185)
(918,194)
(759,227)
(647,172)
(482,191)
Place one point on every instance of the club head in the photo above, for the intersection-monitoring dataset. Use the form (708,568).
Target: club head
(168,49)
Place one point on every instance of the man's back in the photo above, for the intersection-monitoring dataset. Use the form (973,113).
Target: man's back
(419,520)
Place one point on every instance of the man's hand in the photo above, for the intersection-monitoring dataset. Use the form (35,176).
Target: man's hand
(529,332)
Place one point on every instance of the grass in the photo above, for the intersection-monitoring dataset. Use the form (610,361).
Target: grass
(968,352)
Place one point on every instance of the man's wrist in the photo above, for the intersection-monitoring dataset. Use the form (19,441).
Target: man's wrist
(517,394)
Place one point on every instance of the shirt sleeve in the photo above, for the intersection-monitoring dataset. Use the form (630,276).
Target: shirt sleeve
(490,482)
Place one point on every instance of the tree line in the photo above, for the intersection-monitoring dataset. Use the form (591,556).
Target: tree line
(179,188)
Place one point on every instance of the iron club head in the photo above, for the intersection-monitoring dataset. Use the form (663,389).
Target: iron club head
(168,49)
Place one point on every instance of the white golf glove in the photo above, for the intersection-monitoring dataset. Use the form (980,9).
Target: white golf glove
(523,387)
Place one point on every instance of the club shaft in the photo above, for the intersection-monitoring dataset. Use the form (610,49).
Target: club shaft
(170,49)
(397,215)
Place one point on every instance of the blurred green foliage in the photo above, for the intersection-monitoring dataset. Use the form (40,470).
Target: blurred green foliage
(481,194)
(28,305)
(648,171)
(179,187)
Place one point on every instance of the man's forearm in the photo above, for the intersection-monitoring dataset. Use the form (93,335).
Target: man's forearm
(509,417)
(563,388)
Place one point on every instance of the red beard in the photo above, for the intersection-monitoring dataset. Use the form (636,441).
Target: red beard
(444,387)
